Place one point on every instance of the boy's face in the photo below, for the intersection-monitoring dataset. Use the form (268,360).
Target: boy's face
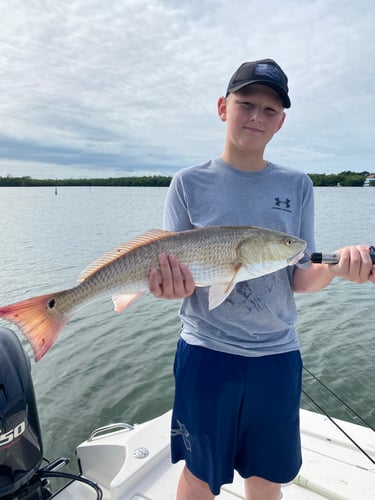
(253,116)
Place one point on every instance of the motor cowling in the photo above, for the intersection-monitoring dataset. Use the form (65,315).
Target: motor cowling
(21,449)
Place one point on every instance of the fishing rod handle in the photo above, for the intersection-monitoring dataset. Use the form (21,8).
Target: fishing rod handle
(333,258)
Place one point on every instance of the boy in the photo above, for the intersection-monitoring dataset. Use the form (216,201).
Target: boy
(238,367)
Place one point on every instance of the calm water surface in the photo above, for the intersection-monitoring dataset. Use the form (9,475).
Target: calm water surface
(106,367)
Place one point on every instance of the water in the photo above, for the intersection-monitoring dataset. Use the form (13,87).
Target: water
(106,367)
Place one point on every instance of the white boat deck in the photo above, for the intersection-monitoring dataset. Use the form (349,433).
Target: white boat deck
(332,468)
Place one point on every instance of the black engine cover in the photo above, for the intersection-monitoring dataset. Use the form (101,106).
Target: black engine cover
(21,449)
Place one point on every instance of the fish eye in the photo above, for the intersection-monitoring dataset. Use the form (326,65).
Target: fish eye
(288,242)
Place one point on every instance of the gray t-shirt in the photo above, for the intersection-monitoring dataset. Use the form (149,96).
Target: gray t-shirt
(258,318)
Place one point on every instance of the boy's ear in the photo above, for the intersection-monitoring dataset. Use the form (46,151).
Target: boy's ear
(281,122)
(222,108)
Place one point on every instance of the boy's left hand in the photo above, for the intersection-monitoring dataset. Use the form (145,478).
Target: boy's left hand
(355,264)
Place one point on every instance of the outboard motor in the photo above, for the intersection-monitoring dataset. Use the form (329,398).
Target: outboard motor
(21,450)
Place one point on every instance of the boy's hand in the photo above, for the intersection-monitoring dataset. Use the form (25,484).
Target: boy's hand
(355,265)
(173,280)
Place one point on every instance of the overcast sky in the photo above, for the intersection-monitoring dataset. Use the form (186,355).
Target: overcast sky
(126,87)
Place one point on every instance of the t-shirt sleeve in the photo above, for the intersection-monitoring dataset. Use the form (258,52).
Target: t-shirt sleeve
(176,212)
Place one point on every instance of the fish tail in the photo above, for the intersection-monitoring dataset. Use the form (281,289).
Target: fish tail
(38,320)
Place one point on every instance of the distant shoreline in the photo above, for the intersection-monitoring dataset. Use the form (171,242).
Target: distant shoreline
(343,179)
(145,181)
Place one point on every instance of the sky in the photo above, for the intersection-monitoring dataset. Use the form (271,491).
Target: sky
(129,87)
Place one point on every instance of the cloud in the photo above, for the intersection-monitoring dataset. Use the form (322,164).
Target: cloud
(133,84)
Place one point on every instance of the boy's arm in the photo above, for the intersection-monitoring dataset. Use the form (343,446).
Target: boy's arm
(355,265)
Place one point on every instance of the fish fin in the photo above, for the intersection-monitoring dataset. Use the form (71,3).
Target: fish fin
(38,321)
(128,246)
(218,293)
(122,301)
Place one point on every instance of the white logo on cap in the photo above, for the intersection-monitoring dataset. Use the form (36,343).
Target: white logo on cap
(268,71)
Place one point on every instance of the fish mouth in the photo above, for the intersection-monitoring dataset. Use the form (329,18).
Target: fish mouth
(294,259)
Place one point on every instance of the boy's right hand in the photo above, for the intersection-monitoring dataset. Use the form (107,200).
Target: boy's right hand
(173,280)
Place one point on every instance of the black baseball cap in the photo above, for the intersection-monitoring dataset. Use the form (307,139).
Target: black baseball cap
(265,72)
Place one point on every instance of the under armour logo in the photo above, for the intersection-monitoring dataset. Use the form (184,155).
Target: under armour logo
(282,205)
(182,431)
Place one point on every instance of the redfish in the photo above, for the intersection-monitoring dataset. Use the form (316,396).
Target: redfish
(217,256)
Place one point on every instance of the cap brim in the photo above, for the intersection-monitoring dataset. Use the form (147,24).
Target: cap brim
(284,96)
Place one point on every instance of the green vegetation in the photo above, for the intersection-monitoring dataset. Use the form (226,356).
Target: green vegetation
(153,180)
(347,178)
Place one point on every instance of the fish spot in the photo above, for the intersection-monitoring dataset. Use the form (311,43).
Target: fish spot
(52,303)
(42,342)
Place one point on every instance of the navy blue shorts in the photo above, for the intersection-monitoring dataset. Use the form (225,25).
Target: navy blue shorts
(235,412)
